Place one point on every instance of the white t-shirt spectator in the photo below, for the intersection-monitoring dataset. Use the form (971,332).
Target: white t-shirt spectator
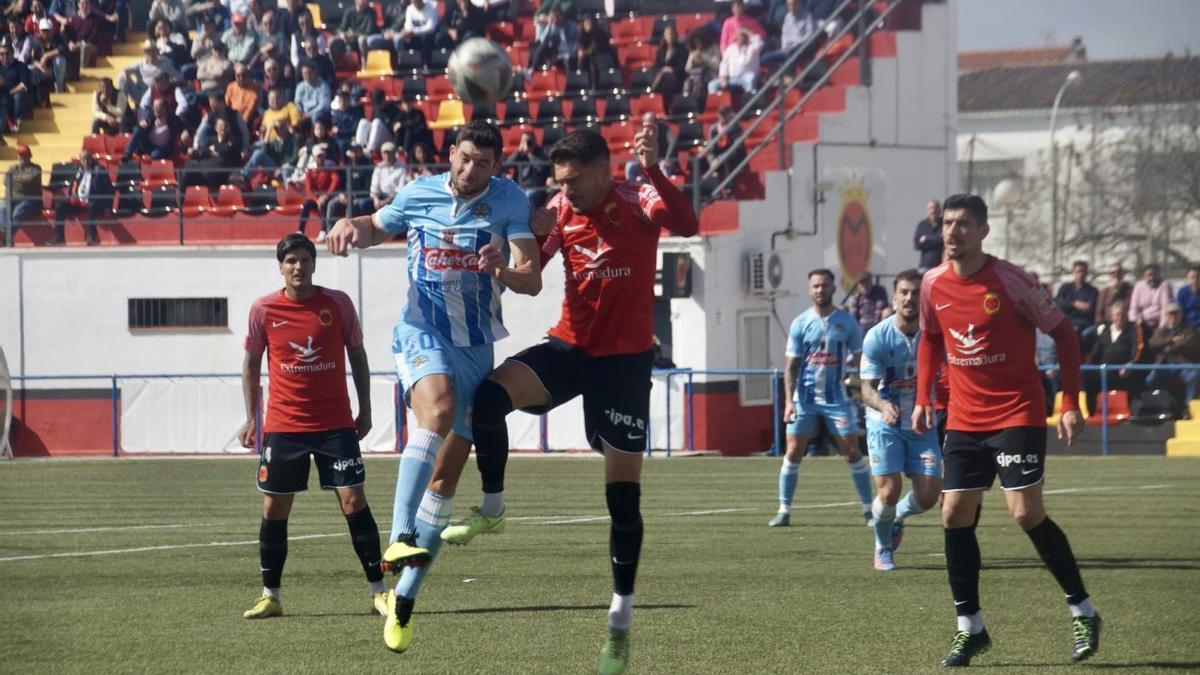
(796,29)
(387,179)
(738,61)
(421,21)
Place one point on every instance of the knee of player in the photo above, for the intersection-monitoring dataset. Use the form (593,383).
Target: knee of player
(352,501)
(624,503)
(490,405)
(927,498)
(1028,518)
(889,493)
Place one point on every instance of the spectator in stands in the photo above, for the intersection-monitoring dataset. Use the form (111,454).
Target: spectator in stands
(1118,344)
(238,131)
(593,49)
(37,12)
(420,29)
(869,302)
(670,66)
(464,20)
(274,78)
(1150,296)
(254,10)
(321,181)
(738,22)
(171,11)
(163,88)
(374,133)
(202,46)
(62,10)
(548,7)
(702,65)
(389,176)
(1077,299)
(346,117)
(18,40)
(796,27)
(203,11)
(16,90)
(725,131)
(279,111)
(319,60)
(23,182)
(413,129)
(106,109)
(422,160)
(554,41)
(241,41)
(161,136)
(277,154)
(289,16)
(49,58)
(359,169)
(136,79)
(89,32)
(272,40)
(532,168)
(303,32)
(90,194)
(242,94)
(312,94)
(216,70)
(171,45)
(1175,342)
(214,163)
(1188,297)
(358,24)
(1116,290)
(739,64)
(927,239)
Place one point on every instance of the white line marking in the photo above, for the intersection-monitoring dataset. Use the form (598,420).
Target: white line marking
(1107,488)
(169,547)
(123,528)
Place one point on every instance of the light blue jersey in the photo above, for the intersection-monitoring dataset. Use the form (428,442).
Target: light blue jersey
(890,356)
(447,292)
(823,345)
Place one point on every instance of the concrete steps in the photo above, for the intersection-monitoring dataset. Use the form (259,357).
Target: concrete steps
(1186,442)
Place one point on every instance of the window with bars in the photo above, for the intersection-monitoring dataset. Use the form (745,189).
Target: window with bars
(178,314)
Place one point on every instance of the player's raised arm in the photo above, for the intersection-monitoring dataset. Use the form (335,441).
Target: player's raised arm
(672,210)
(525,274)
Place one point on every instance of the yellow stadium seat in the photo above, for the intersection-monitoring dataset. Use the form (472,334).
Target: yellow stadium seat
(379,63)
(1052,421)
(315,10)
(450,115)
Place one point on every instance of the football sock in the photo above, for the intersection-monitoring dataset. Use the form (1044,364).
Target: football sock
(862,480)
(272,552)
(491,405)
(789,476)
(1052,545)
(885,515)
(432,517)
(972,623)
(620,611)
(962,566)
(416,466)
(625,533)
(364,535)
(492,504)
(908,506)
(1082,609)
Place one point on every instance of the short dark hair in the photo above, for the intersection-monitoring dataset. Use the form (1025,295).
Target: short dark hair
(482,134)
(582,145)
(823,272)
(1079,263)
(293,241)
(973,204)
(909,274)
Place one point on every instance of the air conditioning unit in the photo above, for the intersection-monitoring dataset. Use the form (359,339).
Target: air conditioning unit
(764,273)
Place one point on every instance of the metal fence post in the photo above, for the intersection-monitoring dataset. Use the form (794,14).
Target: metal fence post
(1104,409)
(691,405)
(668,407)
(544,433)
(116,414)
(777,422)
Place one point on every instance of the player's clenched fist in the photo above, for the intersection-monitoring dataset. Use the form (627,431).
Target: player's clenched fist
(490,259)
(343,236)
(645,144)
(542,221)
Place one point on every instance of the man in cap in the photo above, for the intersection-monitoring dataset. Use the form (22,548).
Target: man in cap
(24,184)
(241,41)
(1175,342)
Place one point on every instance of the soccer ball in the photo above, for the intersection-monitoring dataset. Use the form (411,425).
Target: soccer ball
(480,72)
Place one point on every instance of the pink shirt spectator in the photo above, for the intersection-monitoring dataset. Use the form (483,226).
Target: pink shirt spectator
(1146,304)
(735,23)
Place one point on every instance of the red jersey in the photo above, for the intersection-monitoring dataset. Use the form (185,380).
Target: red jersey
(986,322)
(306,345)
(610,256)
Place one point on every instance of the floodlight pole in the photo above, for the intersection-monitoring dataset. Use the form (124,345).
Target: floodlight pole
(1071,77)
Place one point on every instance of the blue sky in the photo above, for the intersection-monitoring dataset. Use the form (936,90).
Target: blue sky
(1111,29)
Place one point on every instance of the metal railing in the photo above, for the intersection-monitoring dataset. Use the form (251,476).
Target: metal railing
(716,163)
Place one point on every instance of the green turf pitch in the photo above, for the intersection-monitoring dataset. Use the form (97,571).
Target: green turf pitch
(718,591)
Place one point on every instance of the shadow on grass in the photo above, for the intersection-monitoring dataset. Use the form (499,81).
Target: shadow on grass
(1165,665)
(548,608)
(1178,564)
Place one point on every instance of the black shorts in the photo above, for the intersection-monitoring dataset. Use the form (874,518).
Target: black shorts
(973,458)
(283,466)
(615,390)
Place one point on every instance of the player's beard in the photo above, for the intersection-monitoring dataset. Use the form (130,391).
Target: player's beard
(817,302)
(459,187)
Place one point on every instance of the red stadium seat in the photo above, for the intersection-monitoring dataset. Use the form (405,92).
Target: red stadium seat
(196,201)
(158,173)
(546,82)
(290,202)
(647,103)
(117,143)
(637,55)
(96,144)
(1118,410)
(686,23)
(438,87)
(228,202)
(625,31)
(619,134)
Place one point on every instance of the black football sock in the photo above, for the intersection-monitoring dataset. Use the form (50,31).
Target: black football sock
(491,405)
(364,534)
(962,566)
(1051,543)
(625,534)
(272,551)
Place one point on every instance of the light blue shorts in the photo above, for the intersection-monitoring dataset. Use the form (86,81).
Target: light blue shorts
(895,450)
(420,351)
(839,418)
